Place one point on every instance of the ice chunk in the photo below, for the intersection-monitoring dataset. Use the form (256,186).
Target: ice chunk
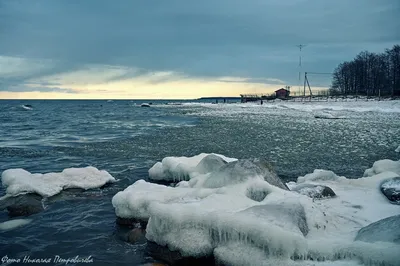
(12,224)
(383,166)
(135,200)
(397,149)
(19,181)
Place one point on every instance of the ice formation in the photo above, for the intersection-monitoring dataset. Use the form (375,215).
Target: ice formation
(12,224)
(19,181)
(249,221)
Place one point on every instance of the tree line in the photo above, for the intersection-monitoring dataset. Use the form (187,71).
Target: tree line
(369,74)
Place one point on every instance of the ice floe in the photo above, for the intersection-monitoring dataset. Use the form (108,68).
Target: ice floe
(12,224)
(20,181)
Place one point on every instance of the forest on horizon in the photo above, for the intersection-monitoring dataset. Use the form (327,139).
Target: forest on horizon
(369,74)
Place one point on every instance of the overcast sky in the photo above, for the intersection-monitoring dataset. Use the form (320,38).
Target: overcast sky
(181,49)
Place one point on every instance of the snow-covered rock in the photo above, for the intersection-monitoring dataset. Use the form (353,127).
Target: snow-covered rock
(314,191)
(250,216)
(19,181)
(183,168)
(319,175)
(391,189)
(385,230)
(382,166)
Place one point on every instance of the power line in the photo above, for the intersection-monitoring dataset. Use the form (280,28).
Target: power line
(319,73)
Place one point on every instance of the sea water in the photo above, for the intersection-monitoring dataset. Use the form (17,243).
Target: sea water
(126,140)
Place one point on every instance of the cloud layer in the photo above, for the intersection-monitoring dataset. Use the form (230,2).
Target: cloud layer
(71,44)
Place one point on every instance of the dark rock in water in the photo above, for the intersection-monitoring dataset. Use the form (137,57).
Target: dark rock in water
(314,191)
(391,189)
(385,230)
(241,170)
(130,222)
(290,216)
(24,205)
(137,235)
(210,163)
(174,258)
(125,221)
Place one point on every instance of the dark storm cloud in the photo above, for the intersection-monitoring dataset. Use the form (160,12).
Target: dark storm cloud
(253,39)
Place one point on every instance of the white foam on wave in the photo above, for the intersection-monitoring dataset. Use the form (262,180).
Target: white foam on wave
(20,181)
(231,220)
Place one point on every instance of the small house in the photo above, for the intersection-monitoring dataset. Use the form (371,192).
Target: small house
(282,93)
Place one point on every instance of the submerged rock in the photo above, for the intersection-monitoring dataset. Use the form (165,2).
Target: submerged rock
(391,189)
(130,222)
(326,116)
(174,258)
(24,205)
(241,170)
(385,230)
(136,235)
(314,191)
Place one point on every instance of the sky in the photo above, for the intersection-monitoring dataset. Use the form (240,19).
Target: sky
(182,49)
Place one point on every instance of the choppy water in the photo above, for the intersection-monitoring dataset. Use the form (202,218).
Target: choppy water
(126,140)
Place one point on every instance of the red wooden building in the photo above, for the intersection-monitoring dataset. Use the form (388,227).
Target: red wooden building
(282,93)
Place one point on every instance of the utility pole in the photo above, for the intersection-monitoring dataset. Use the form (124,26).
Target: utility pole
(301,46)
